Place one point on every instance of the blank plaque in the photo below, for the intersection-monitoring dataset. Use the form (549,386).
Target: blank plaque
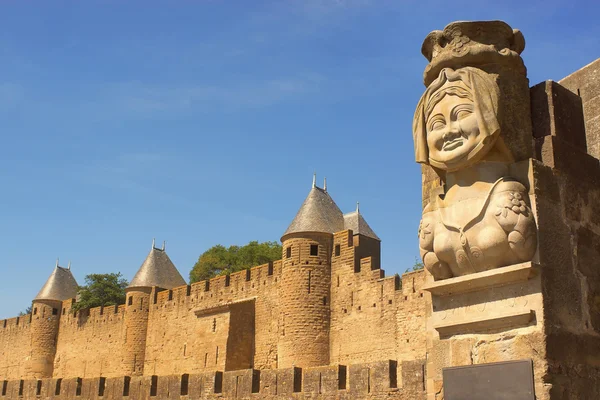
(510,380)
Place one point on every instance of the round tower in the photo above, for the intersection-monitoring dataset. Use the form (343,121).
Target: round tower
(45,318)
(304,292)
(156,271)
(137,302)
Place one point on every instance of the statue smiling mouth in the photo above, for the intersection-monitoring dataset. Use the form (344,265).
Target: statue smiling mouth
(452,144)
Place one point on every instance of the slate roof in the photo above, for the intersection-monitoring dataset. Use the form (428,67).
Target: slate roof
(157,270)
(61,285)
(318,213)
(355,221)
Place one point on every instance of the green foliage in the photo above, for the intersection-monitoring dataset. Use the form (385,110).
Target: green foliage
(417,265)
(221,260)
(101,290)
(27,311)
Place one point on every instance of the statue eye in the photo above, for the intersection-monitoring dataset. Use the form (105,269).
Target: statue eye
(462,113)
(436,124)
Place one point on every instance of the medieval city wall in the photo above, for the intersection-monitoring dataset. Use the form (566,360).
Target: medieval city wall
(373,317)
(179,340)
(89,342)
(379,380)
(15,346)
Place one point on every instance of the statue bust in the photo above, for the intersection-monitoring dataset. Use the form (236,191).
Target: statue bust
(482,218)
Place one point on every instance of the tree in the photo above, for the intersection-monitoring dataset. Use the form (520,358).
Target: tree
(417,265)
(101,290)
(27,311)
(221,260)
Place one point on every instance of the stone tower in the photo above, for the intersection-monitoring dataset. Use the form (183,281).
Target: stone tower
(306,280)
(45,315)
(156,271)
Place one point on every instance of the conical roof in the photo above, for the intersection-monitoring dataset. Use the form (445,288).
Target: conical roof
(355,221)
(61,285)
(157,270)
(318,213)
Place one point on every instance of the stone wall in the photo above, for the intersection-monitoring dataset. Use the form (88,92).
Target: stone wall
(585,83)
(567,180)
(89,342)
(373,317)
(378,380)
(15,346)
(190,326)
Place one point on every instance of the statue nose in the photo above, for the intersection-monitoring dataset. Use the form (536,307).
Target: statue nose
(452,130)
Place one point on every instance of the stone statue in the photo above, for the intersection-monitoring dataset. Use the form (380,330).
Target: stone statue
(481,219)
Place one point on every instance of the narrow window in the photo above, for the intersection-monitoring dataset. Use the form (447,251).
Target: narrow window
(217,356)
(38,388)
(54,311)
(325,300)
(205,359)
(35,311)
(270,269)
(21,382)
(288,252)
(314,249)
(101,386)
(185,379)
(184,349)
(78,389)
(309,273)
(5,323)
(337,250)
(227,280)
(214,325)
(154,386)
(64,311)
(4,387)
(170,295)
(57,388)
(130,301)
(126,384)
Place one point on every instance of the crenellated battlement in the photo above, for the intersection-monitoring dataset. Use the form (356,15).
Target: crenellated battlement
(20,322)
(384,379)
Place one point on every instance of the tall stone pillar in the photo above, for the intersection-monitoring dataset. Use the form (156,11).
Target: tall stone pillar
(509,235)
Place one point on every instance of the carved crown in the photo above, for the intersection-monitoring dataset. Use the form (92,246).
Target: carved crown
(474,44)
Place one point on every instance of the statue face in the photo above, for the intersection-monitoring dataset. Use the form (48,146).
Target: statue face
(452,131)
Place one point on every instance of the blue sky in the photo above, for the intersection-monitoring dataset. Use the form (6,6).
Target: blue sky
(201,122)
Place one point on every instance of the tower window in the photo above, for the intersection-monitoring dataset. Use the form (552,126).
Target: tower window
(54,311)
(337,249)
(314,249)
(130,301)
(288,252)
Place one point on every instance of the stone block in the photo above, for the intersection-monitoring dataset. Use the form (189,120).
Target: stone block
(568,159)
(413,375)
(240,384)
(557,111)
(323,380)
(490,322)
(268,382)
(483,280)
(359,378)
